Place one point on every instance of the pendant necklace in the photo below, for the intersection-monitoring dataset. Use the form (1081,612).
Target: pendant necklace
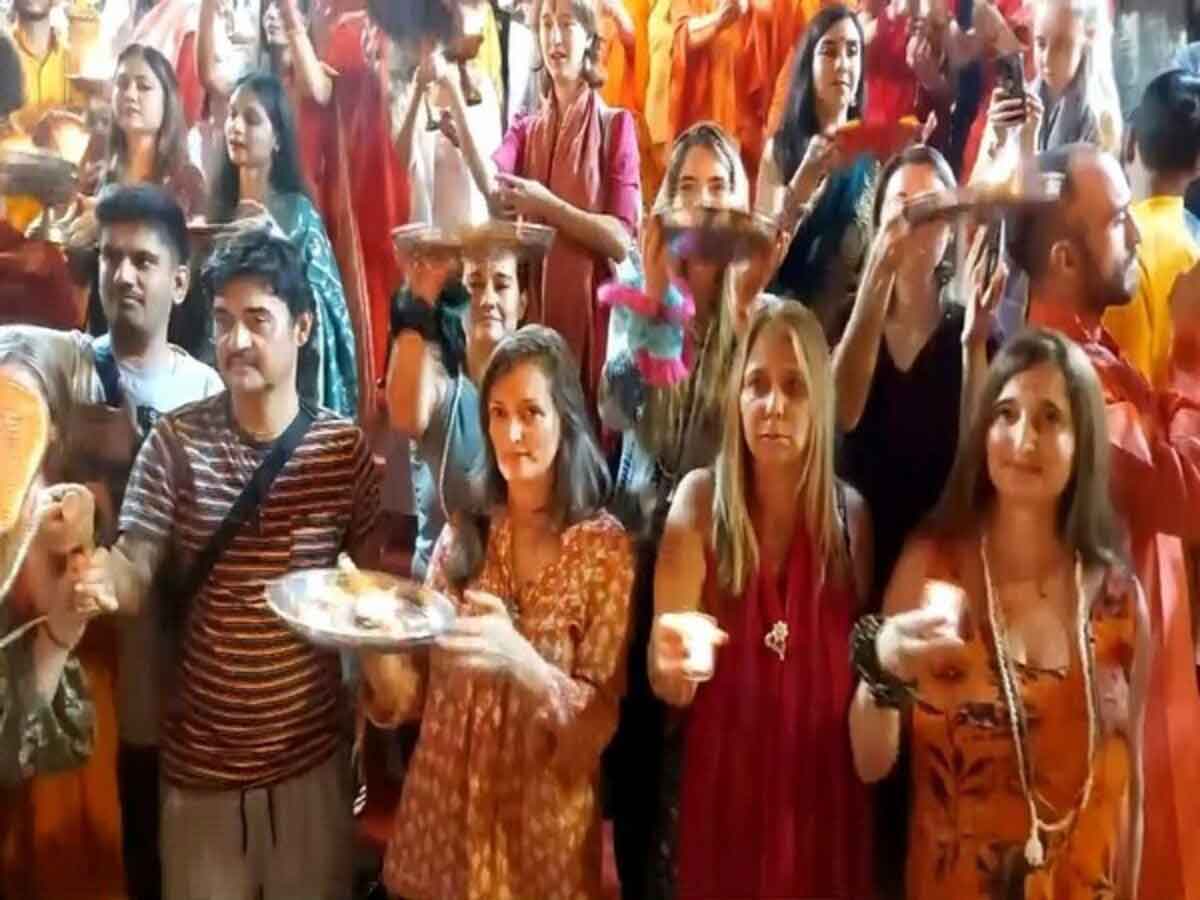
(1035,852)
(776,638)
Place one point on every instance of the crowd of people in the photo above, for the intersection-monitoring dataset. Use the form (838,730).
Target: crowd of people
(801,408)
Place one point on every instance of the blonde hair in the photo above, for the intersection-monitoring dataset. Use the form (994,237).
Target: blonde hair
(734,542)
(1100,82)
(667,409)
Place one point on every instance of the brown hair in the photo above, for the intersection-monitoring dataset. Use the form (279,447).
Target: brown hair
(170,144)
(1086,521)
(581,480)
(735,545)
(667,408)
(584,11)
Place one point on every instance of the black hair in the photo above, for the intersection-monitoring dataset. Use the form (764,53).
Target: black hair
(261,253)
(916,155)
(285,176)
(12,78)
(1166,124)
(919,155)
(145,204)
(412,20)
(799,122)
(170,144)
(581,478)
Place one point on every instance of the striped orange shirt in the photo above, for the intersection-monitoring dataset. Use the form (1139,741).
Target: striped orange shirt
(251,704)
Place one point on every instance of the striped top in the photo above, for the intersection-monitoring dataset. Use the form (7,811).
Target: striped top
(252,704)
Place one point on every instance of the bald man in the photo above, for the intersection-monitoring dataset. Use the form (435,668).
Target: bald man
(1081,258)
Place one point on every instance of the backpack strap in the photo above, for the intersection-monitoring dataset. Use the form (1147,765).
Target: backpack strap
(108,372)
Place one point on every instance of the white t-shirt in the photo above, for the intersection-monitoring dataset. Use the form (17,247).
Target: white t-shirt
(140,645)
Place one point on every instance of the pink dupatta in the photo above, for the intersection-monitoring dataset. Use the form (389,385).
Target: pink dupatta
(571,152)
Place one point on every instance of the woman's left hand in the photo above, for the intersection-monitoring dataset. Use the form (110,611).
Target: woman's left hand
(487,641)
(523,195)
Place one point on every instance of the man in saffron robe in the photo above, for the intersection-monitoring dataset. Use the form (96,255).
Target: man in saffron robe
(624,29)
(718,60)
(1081,260)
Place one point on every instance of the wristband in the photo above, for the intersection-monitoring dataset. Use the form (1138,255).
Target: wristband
(886,689)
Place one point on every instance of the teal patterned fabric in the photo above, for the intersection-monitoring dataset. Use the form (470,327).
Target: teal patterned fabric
(337,383)
(38,737)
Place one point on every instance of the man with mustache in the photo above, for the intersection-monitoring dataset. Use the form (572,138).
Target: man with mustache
(226,495)
(1081,258)
(104,394)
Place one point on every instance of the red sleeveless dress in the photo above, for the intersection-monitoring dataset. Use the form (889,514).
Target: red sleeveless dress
(770,804)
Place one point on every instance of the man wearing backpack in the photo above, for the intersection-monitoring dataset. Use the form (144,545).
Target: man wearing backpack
(103,395)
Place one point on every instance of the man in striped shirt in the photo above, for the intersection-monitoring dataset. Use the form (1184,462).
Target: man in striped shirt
(256,795)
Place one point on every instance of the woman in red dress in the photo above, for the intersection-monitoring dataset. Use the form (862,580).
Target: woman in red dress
(771,546)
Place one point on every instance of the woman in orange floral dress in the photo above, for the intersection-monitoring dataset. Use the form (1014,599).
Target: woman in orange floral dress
(1028,670)
(516,704)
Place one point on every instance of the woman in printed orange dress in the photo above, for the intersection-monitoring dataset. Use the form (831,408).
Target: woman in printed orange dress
(1027,665)
(516,704)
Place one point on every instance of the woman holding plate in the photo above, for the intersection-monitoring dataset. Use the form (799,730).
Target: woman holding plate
(572,165)
(434,368)
(662,391)
(804,169)
(519,699)
(260,173)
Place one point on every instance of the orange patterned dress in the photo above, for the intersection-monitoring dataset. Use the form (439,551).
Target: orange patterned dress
(970,820)
(501,800)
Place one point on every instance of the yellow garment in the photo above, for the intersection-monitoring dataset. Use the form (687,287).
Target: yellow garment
(45,80)
(20,210)
(1143,328)
(491,55)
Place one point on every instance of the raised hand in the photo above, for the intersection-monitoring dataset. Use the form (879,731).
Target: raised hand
(983,292)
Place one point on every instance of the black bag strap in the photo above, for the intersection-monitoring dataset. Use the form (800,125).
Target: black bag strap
(108,373)
(245,506)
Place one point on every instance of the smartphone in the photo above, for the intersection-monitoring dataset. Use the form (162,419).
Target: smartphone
(1010,75)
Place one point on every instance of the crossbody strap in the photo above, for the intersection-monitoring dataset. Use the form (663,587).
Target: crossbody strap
(108,373)
(245,506)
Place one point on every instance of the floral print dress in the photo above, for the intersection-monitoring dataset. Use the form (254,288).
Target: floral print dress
(970,819)
(501,800)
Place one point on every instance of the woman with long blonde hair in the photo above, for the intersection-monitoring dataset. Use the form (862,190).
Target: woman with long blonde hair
(766,554)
